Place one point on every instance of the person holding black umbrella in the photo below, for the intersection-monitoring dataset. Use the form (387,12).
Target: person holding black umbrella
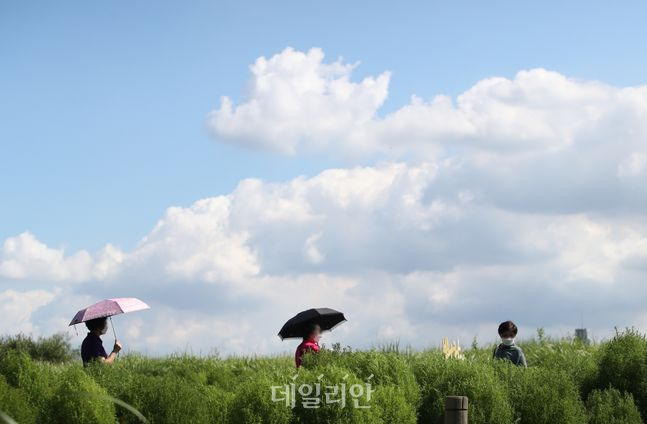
(308,325)
(310,343)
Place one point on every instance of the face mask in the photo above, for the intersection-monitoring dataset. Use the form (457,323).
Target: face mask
(104,330)
(507,342)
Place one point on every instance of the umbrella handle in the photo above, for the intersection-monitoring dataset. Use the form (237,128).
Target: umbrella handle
(114,333)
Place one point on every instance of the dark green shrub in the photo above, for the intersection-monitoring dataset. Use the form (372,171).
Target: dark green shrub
(542,395)
(184,367)
(623,365)
(119,376)
(168,399)
(15,403)
(55,348)
(439,377)
(386,368)
(206,387)
(609,406)
(392,405)
(36,379)
(353,409)
(408,387)
(253,403)
(571,357)
(78,399)
(219,404)
(221,374)
(16,367)
(118,380)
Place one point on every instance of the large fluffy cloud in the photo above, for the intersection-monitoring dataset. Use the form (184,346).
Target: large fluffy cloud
(24,257)
(396,247)
(520,199)
(299,103)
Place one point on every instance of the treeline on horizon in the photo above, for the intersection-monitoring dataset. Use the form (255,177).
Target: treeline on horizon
(567,381)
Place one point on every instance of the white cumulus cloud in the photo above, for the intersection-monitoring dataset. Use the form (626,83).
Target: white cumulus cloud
(25,257)
(300,103)
(395,246)
(296,101)
(16,309)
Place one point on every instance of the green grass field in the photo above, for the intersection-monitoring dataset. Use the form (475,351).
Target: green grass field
(41,381)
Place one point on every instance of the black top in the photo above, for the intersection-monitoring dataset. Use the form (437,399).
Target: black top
(92,348)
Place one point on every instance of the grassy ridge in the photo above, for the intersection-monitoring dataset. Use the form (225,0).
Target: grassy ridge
(567,382)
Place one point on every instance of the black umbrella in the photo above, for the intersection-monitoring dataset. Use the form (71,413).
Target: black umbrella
(298,325)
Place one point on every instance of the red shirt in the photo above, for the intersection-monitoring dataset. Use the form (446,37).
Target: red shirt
(305,346)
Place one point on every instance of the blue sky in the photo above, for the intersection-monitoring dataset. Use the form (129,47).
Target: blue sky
(219,157)
(104,105)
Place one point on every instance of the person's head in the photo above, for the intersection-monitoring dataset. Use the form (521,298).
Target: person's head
(313,332)
(97,325)
(507,332)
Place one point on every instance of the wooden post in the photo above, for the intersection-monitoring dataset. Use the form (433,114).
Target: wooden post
(456,410)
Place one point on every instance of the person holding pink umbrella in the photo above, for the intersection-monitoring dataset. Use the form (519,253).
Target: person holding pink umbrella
(96,319)
(92,346)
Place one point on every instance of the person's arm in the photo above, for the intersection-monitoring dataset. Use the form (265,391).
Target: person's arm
(113,355)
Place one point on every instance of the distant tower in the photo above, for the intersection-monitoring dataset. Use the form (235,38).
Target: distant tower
(581,335)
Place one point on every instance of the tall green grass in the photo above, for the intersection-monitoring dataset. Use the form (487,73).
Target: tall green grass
(566,382)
